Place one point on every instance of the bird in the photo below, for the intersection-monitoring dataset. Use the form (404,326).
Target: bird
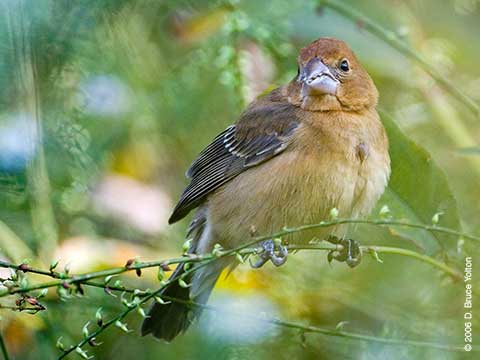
(294,154)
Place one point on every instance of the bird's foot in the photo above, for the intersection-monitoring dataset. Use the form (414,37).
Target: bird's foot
(349,251)
(276,254)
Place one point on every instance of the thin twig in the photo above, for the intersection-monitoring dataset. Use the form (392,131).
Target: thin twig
(393,40)
(123,314)
(27,268)
(243,250)
(381,222)
(145,299)
(303,328)
(454,273)
(81,279)
(20,309)
(328,332)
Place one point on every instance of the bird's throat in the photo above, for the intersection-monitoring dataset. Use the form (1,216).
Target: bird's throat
(321,103)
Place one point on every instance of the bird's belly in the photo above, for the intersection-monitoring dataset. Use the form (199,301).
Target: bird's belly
(290,190)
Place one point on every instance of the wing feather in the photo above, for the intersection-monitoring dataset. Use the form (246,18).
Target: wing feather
(262,132)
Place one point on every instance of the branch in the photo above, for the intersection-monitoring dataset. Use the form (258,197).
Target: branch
(245,250)
(393,40)
(303,328)
(329,332)
(375,250)
(65,280)
(379,222)
(30,309)
(91,337)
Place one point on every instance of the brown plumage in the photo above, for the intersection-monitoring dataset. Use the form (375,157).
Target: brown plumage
(293,155)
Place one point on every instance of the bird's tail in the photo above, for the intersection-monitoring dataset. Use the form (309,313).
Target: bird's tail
(166,321)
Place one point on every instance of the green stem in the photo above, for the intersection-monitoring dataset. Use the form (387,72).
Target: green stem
(362,337)
(124,313)
(304,328)
(246,250)
(28,101)
(65,279)
(4,348)
(454,273)
(393,40)
(386,222)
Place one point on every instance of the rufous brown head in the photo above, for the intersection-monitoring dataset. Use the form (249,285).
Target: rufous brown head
(331,78)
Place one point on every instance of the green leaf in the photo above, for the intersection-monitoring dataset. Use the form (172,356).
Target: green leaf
(417,190)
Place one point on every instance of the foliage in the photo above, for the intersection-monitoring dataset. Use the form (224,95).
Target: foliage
(104,103)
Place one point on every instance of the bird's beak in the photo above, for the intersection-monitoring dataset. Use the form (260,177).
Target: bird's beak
(317,79)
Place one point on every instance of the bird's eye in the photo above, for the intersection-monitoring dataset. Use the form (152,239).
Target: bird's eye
(344,66)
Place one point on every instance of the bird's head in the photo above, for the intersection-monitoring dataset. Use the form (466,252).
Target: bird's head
(331,78)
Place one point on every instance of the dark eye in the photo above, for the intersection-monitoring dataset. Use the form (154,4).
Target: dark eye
(344,66)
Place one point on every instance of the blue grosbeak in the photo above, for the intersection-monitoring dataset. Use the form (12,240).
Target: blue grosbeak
(314,144)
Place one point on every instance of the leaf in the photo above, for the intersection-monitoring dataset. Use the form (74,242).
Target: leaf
(417,190)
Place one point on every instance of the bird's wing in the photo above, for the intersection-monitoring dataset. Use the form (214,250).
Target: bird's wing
(263,131)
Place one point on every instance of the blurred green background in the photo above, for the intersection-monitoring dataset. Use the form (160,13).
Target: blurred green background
(103,105)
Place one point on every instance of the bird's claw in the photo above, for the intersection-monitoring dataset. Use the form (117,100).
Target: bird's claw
(349,251)
(277,258)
